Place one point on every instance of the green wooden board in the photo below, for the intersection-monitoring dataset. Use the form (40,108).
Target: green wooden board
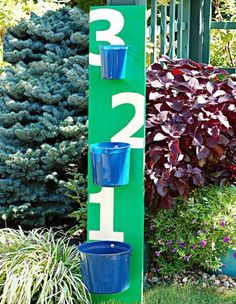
(117,113)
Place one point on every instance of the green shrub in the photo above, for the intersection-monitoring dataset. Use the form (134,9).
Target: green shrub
(223,42)
(77,191)
(223,48)
(12,11)
(39,267)
(43,117)
(190,140)
(194,233)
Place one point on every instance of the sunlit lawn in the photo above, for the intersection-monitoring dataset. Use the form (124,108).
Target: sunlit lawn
(187,295)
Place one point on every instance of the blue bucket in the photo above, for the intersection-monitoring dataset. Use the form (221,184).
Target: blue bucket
(113,61)
(105,266)
(110,163)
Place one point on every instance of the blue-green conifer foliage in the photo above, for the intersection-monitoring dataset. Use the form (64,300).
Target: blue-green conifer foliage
(43,116)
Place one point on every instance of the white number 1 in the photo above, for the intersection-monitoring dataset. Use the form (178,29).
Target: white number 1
(106,232)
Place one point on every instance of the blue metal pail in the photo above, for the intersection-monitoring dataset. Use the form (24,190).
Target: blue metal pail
(105,266)
(113,61)
(110,163)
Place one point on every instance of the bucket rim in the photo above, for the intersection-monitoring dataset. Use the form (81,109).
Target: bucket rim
(128,250)
(114,47)
(102,145)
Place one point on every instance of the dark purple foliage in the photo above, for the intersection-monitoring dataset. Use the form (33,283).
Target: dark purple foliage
(191,126)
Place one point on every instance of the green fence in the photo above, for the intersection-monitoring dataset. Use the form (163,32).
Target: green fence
(182,29)
(173,29)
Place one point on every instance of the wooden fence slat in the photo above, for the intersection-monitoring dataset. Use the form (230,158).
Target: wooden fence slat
(196,30)
(220,25)
(172,29)
(206,31)
(230,70)
(180,30)
(154,29)
(163,29)
(186,28)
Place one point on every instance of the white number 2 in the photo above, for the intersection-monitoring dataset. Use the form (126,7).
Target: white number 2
(116,20)
(125,135)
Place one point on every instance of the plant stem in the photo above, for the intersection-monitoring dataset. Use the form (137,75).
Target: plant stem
(230,55)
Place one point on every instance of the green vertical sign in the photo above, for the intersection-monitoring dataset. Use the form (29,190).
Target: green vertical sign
(117,113)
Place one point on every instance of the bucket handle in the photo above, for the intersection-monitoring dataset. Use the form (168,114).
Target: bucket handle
(115,147)
(113,246)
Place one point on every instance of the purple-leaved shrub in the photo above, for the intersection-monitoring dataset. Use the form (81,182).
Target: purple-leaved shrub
(191,129)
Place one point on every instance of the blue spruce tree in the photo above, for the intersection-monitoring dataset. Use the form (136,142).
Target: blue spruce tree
(43,116)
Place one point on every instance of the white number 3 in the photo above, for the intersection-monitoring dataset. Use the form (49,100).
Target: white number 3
(116,20)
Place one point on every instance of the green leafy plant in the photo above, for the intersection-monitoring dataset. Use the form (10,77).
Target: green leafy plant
(39,267)
(223,48)
(164,2)
(77,191)
(223,42)
(194,233)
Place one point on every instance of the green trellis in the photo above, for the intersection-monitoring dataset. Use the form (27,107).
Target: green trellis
(186,25)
